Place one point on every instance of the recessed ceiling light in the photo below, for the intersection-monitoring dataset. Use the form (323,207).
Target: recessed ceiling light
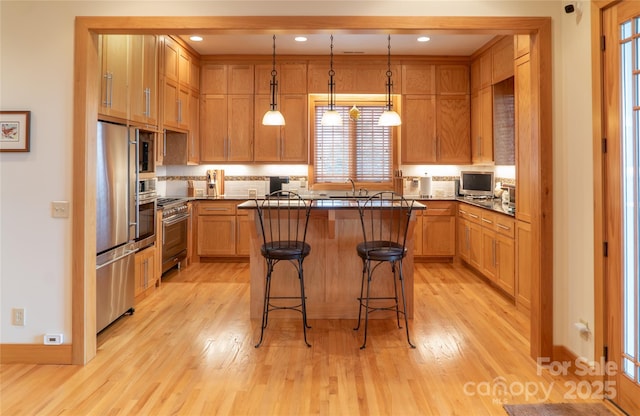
(196,38)
(424,39)
(300,39)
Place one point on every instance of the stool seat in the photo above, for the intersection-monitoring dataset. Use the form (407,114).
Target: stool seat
(381,250)
(285,250)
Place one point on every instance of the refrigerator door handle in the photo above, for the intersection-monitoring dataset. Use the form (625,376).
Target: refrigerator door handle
(134,219)
(123,255)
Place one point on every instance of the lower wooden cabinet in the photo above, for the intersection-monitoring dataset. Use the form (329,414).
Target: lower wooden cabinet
(486,241)
(524,266)
(216,223)
(243,232)
(436,230)
(146,276)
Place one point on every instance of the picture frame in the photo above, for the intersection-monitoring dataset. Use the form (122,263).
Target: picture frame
(15,130)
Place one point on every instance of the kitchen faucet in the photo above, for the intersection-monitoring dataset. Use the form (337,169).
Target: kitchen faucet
(353,186)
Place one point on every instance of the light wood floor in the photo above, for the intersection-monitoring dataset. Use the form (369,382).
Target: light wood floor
(189,350)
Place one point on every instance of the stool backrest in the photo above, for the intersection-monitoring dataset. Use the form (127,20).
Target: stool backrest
(385,218)
(284,216)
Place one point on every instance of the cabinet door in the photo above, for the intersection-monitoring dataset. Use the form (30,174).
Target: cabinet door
(524,148)
(240,128)
(213,128)
(475,245)
(184,99)
(292,78)
(419,129)
(482,126)
(193,144)
(418,79)
(171,60)
(502,60)
(240,79)
(524,264)
(489,254)
(452,79)
(213,79)
(216,235)
(143,85)
(418,246)
(463,239)
(170,106)
(266,138)
(114,82)
(184,68)
(439,235)
(452,120)
(295,135)
(505,252)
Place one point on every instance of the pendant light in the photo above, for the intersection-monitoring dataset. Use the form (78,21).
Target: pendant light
(331,117)
(273,117)
(389,117)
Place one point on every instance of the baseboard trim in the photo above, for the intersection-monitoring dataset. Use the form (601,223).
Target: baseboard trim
(35,354)
(564,354)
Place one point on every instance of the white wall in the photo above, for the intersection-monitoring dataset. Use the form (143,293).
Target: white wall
(36,73)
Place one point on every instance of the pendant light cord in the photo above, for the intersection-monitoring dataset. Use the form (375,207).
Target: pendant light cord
(331,83)
(274,82)
(389,73)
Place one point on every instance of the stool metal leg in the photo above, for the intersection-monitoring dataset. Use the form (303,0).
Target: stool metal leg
(366,307)
(265,308)
(404,304)
(303,300)
(364,270)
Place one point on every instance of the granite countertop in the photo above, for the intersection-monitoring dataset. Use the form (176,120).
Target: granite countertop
(332,203)
(494,204)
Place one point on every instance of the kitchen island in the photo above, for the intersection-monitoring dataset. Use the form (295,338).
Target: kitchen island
(333,270)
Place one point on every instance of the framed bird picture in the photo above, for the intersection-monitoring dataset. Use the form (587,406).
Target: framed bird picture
(14,135)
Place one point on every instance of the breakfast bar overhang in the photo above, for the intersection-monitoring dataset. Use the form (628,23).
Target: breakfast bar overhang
(333,270)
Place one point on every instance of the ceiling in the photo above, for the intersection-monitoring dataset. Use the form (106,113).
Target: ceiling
(343,44)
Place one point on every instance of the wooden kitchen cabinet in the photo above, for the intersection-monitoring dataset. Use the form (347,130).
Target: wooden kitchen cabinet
(524,264)
(227,79)
(470,234)
(482,127)
(452,79)
(193,138)
(291,77)
(502,60)
(226,128)
(177,72)
(523,139)
(453,114)
(438,229)
(145,272)
(419,129)
(418,234)
(143,85)
(418,79)
(216,228)
(288,143)
(113,51)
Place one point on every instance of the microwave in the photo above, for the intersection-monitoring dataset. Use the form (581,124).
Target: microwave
(476,184)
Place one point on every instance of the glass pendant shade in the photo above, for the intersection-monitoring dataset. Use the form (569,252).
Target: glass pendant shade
(331,118)
(389,118)
(273,117)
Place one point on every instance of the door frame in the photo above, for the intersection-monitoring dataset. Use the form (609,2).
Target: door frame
(85,110)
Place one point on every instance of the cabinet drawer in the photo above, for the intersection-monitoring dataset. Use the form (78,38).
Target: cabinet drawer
(217,208)
(439,208)
(488,219)
(505,225)
(470,213)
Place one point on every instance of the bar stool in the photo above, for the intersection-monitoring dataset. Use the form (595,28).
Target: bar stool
(384,217)
(284,217)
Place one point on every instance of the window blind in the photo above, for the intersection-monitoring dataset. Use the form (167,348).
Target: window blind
(359,149)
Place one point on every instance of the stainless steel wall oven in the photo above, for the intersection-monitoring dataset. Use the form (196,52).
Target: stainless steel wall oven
(145,211)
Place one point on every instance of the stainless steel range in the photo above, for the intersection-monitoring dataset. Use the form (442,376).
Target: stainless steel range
(175,231)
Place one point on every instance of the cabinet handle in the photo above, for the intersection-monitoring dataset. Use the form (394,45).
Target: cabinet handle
(110,104)
(146,274)
(463,212)
(106,89)
(504,227)
(179,111)
(164,146)
(487,221)
(493,247)
(147,102)
(473,215)
(216,209)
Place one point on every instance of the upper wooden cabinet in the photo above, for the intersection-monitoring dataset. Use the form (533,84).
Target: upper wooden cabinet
(369,78)
(226,128)
(525,177)
(452,79)
(227,79)
(291,77)
(522,44)
(502,60)
(419,129)
(418,79)
(143,85)
(452,129)
(113,53)
(177,73)
(482,126)
(288,143)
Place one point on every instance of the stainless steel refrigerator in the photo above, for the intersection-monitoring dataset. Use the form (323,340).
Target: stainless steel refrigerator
(115,225)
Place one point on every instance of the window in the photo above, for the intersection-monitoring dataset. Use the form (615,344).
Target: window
(359,149)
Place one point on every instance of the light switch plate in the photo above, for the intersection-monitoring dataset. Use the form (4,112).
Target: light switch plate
(60,209)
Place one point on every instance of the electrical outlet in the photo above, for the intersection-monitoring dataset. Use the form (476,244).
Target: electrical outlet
(60,209)
(252,193)
(52,339)
(18,317)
